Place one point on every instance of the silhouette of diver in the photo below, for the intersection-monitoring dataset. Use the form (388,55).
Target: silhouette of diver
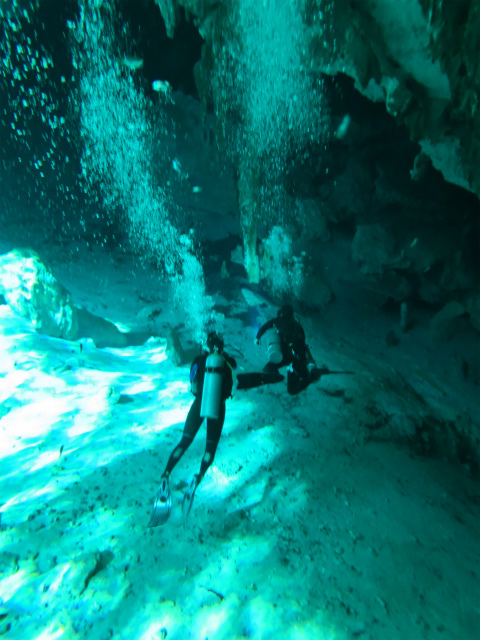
(287,347)
(212,382)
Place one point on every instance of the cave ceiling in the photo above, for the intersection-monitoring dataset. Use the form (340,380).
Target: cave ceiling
(418,57)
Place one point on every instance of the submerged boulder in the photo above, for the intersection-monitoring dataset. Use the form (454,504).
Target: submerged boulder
(31,290)
(473,309)
(376,250)
(444,324)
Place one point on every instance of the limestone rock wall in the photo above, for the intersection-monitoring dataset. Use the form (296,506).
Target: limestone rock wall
(419,57)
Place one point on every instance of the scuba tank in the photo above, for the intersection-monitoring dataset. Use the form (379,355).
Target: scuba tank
(212,386)
(274,346)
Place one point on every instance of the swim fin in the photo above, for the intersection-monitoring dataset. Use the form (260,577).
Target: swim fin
(188,498)
(163,505)
(252,380)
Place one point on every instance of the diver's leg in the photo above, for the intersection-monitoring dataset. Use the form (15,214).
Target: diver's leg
(190,430)
(252,380)
(297,382)
(214,431)
(163,500)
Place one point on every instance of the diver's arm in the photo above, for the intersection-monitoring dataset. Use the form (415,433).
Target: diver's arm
(231,361)
(268,325)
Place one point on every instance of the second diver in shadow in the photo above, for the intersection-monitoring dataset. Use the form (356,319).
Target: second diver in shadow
(287,347)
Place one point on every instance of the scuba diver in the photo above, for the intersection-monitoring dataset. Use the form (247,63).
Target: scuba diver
(212,381)
(287,347)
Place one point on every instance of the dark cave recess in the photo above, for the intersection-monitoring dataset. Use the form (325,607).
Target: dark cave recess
(164,58)
(377,140)
(168,59)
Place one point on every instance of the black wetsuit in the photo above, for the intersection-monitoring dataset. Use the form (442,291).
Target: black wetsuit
(295,352)
(194,420)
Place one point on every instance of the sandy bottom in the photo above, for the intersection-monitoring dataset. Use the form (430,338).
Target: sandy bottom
(315,521)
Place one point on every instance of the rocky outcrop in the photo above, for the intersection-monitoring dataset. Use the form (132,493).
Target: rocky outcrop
(30,288)
(411,239)
(418,57)
(411,234)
